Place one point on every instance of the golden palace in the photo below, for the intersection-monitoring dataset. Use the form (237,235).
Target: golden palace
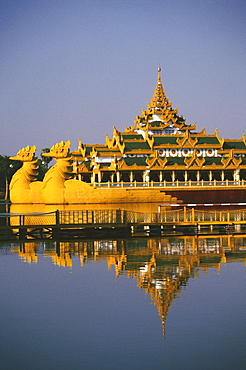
(158,159)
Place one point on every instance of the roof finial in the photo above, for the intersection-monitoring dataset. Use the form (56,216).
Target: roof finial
(159,74)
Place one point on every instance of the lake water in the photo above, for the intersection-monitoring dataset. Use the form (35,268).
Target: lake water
(169,303)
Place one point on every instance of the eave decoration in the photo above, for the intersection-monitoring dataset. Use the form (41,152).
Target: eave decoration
(187,141)
(110,143)
(156,160)
(231,161)
(194,161)
(94,153)
(150,140)
(114,164)
(121,147)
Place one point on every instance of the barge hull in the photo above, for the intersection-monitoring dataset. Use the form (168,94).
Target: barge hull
(209,196)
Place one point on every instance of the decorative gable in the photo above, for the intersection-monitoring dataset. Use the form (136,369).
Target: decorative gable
(110,143)
(94,153)
(121,147)
(187,141)
(114,164)
(156,161)
(194,161)
(82,148)
(150,140)
(95,166)
(231,161)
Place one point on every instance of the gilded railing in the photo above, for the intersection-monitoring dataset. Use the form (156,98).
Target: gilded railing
(172,184)
(124,217)
(92,217)
(193,215)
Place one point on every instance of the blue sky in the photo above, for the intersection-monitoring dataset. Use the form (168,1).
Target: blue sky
(73,69)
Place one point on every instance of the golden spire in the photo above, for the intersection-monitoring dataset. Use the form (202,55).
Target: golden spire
(159,108)
(159,74)
(159,103)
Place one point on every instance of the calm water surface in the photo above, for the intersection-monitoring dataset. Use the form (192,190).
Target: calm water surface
(173,303)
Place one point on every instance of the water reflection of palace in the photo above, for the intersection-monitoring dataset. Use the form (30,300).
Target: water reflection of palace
(160,266)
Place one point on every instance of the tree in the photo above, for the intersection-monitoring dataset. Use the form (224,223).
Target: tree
(43,164)
(45,160)
(7,169)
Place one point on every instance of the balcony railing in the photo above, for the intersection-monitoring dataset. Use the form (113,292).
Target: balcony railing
(124,217)
(172,184)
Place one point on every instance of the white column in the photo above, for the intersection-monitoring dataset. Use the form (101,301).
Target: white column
(236,175)
(99,176)
(146,176)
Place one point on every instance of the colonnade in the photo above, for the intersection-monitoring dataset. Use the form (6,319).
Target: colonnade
(161,176)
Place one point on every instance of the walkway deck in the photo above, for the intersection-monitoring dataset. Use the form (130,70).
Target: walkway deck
(118,222)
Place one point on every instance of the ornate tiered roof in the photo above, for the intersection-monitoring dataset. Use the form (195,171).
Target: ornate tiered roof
(159,139)
(159,115)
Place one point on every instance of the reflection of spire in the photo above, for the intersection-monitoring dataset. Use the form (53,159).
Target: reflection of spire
(165,267)
(163,282)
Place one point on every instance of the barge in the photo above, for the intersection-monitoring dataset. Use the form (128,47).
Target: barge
(160,158)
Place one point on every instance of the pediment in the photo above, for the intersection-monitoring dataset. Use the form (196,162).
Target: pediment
(156,161)
(110,143)
(231,161)
(187,141)
(150,140)
(81,148)
(194,161)
(121,147)
(114,164)
(94,153)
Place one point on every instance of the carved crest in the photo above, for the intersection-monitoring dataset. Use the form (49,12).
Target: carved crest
(59,150)
(26,154)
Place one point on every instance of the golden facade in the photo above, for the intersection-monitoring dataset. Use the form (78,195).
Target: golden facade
(159,158)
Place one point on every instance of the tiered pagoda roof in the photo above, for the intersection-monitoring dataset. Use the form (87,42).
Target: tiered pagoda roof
(161,138)
(159,114)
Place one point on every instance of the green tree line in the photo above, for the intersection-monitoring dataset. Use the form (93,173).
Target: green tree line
(8,167)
